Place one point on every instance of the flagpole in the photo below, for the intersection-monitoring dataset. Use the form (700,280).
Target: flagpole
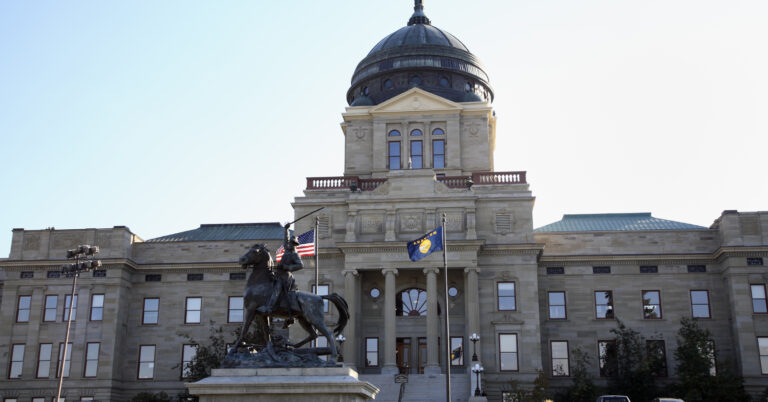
(447,340)
(317,257)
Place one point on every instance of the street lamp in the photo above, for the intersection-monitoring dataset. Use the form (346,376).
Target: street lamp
(477,369)
(340,339)
(474,338)
(87,254)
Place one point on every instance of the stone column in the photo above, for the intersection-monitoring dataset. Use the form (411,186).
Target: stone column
(351,294)
(389,347)
(472,314)
(433,323)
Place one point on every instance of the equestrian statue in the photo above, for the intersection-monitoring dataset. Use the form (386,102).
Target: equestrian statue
(271,292)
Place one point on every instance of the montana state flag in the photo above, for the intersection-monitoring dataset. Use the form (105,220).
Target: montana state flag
(423,246)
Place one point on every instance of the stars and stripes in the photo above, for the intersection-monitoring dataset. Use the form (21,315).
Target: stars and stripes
(305,248)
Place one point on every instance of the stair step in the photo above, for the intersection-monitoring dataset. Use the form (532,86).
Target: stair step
(420,387)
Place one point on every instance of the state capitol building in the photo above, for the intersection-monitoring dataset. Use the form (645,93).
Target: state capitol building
(419,136)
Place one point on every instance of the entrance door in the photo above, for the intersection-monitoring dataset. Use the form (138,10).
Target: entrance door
(404,355)
(423,353)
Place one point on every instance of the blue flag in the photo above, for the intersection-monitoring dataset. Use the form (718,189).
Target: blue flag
(423,246)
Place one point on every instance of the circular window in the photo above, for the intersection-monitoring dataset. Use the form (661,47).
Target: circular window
(452,291)
(468,87)
(388,84)
(375,293)
(444,82)
(365,91)
(415,80)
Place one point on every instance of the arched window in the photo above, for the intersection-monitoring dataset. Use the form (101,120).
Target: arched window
(394,133)
(416,133)
(415,80)
(444,82)
(388,84)
(412,302)
(393,162)
(438,131)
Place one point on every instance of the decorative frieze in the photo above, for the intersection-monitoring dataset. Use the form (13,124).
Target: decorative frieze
(371,224)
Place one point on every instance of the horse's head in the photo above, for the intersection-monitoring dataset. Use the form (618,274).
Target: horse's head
(256,255)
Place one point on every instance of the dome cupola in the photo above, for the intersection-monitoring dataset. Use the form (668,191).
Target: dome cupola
(419,55)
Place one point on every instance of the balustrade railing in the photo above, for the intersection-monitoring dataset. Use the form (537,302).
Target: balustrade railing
(478,179)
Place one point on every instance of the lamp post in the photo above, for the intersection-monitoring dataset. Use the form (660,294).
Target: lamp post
(340,339)
(474,338)
(477,369)
(86,253)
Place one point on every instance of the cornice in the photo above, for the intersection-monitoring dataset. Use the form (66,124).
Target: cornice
(512,249)
(740,251)
(628,259)
(400,246)
(22,265)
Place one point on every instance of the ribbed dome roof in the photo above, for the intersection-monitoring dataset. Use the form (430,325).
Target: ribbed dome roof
(419,55)
(418,34)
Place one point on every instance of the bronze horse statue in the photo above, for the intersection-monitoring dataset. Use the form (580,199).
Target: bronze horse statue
(310,306)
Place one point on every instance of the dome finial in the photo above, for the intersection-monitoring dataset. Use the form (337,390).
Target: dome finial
(418,16)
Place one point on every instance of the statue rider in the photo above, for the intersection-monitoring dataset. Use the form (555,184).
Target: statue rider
(284,282)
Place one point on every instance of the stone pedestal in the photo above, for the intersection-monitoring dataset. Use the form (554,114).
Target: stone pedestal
(339,384)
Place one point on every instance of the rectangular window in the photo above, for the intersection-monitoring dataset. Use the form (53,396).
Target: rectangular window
(187,355)
(508,352)
(235,309)
(237,276)
(97,307)
(758,299)
(438,154)
(649,269)
(608,359)
(44,360)
(153,278)
(559,353)
(100,273)
(22,310)
(86,398)
(604,304)
(651,304)
(323,291)
(151,311)
(506,295)
(51,302)
(457,351)
(53,274)
(762,343)
(417,155)
(700,303)
(67,300)
(192,310)
(697,268)
(66,360)
(712,359)
(555,270)
(38,399)
(194,277)
(91,359)
(371,352)
(146,362)
(394,155)
(657,357)
(27,275)
(17,361)
(601,270)
(755,261)
(557,306)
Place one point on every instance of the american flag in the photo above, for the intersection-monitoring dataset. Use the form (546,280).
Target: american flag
(305,248)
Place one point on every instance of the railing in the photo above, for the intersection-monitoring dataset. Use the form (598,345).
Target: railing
(498,178)
(352,182)
(455,181)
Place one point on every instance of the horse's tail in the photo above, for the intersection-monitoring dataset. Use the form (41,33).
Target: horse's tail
(343,308)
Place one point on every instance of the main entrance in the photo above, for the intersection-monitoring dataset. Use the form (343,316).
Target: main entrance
(404,355)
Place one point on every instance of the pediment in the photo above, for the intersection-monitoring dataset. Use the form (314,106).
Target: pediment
(418,101)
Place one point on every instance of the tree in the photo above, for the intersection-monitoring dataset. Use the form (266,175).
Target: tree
(209,355)
(634,370)
(582,389)
(537,394)
(699,378)
(150,397)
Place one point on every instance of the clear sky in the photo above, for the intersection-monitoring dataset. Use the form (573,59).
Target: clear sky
(162,115)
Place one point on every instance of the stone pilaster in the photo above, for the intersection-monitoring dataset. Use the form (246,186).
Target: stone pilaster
(389,348)
(351,294)
(433,323)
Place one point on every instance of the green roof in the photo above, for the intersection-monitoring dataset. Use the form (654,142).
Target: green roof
(614,223)
(227,231)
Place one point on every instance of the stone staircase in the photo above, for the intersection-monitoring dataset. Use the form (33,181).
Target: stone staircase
(420,387)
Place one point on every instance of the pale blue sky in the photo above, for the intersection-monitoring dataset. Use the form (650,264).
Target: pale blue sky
(164,115)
